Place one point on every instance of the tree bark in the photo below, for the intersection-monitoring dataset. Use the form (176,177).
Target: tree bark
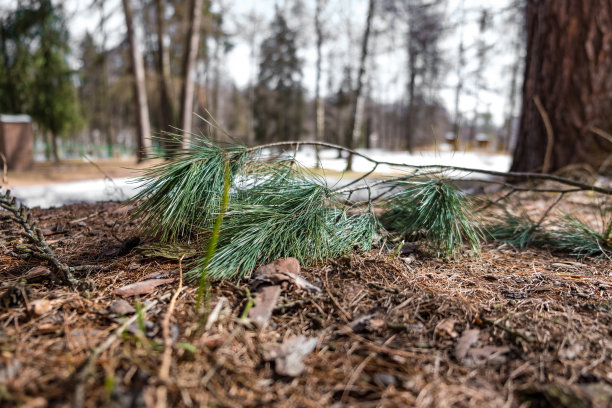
(166,114)
(567,72)
(141,107)
(191,47)
(357,108)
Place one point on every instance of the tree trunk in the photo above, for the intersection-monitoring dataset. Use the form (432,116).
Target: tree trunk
(567,73)
(410,117)
(319,119)
(191,47)
(141,106)
(166,114)
(357,108)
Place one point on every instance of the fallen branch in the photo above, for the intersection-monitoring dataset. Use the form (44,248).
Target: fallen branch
(523,176)
(38,245)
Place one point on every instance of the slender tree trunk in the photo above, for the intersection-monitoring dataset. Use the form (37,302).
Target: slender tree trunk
(54,150)
(104,97)
(319,122)
(504,144)
(357,109)
(141,107)
(410,117)
(215,105)
(191,53)
(567,73)
(166,114)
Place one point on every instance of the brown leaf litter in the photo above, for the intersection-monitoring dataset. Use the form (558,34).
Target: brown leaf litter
(506,329)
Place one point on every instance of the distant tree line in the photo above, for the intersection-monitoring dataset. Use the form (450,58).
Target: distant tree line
(169,74)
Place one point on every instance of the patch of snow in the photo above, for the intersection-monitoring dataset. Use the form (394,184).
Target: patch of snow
(89,191)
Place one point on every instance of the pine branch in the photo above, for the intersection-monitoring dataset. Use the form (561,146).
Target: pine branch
(38,245)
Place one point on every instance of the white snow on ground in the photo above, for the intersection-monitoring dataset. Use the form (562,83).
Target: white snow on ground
(474,160)
(54,195)
(90,191)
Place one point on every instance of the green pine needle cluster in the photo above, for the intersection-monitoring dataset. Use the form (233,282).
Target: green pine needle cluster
(285,214)
(581,240)
(570,235)
(518,231)
(436,210)
(276,209)
(180,198)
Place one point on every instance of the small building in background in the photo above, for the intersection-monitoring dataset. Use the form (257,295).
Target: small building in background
(16,141)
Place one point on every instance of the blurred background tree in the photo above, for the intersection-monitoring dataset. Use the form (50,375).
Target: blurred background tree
(279,99)
(35,77)
(408,75)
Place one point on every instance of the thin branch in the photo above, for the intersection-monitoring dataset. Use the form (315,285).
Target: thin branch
(548,210)
(445,168)
(38,246)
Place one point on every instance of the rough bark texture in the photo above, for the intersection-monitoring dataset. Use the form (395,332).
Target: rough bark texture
(357,109)
(193,38)
(143,126)
(568,67)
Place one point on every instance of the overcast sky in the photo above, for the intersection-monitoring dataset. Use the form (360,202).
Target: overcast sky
(341,18)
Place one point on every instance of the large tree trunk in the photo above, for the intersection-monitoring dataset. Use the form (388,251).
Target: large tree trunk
(166,114)
(567,69)
(141,106)
(193,38)
(357,108)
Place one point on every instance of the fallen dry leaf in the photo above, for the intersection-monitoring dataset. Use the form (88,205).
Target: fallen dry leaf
(38,273)
(41,306)
(468,339)
(141,288)
(446,328)
(288,356)
(121,307)
(264,305)
(279,272)
(290,265)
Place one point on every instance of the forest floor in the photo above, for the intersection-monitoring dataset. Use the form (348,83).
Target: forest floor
(510,328)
